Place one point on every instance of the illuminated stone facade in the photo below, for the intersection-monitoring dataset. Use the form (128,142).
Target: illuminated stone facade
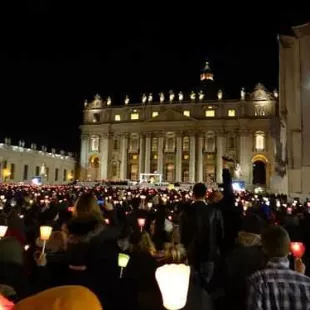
(294,108)
(181,136)
(21,163)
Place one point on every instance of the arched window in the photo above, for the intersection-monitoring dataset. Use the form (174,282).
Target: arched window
(210,142)
(169,143)
(186,144)
(94,144)
(134,143)
(259,141)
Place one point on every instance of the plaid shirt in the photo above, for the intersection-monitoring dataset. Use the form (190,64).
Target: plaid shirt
(278,288)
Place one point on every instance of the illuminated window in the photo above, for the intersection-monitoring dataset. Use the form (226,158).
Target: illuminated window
(94,144)
(134,116)
(116,144)
(231,113)
(134,157)
(186,157)
(259,141)
(210,113)
(117,117)
(187,113)
(154,114)
(96,118)
(155,156)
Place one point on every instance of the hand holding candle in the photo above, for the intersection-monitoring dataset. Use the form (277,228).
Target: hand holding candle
(297,249)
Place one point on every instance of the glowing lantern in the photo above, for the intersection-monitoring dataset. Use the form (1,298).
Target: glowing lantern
(141,223)
(45,233)
(3,230)
(297,249)
(107,221)
(123,260)
(173,281)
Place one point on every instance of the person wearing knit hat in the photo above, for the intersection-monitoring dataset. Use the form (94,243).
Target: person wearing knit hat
(61,298)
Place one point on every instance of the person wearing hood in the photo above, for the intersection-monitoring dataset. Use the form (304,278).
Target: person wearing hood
(245,259)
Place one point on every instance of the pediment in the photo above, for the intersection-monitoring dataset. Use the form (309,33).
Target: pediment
(260,93)
(170,115)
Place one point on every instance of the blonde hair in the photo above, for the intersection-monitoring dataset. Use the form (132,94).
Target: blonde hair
(86,207)
(174,253)
(145,244)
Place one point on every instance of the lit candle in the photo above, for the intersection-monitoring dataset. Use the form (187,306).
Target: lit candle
(149,205)
(173,282)
(107,221)
(297,249)
(141,223)
(3,230)
(123,260)
(45,233)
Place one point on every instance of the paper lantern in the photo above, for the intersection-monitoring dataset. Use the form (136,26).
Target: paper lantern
(123,260)
(149,205)
(141,223)
(173,281)
(3,230)
(45,232)
(107,221)
(297,249)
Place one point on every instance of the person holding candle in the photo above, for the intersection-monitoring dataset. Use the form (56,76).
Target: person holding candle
(276,286)
(200,227)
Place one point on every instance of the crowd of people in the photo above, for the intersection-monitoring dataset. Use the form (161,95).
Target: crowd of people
(238,246)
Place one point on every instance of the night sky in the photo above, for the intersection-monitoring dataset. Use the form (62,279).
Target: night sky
(53,56)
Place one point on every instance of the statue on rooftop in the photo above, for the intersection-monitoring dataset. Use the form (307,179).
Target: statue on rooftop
(127,100)
(150,97)
(109,101)
(192,95)
(181,96)
(161,97)
(171,95)
(144,98)
(201,95)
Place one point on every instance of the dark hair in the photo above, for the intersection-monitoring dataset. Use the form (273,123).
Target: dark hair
(199,190)
(275,241)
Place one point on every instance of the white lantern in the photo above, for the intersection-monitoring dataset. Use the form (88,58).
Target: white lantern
(173,281)
(45,233)
(3,230)
(123,260)
(149,205)
(141,223)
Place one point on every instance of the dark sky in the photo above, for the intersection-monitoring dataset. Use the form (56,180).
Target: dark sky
(53,56)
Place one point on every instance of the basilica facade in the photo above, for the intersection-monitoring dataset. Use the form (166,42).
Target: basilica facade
(183,137)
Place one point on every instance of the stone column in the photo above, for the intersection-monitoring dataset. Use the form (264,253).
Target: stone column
(245,147)
(160,156)
(178,157)
(220,150)
(200,159)
(147,163)
(141,154)
(124,157)
(192,159)
(83,155)
(104,156)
